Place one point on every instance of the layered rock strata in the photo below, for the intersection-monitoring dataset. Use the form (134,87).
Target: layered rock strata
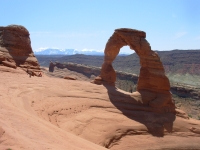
(15,48)
(153,86)
(89,71)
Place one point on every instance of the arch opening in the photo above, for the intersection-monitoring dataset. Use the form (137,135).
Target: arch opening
(126,73)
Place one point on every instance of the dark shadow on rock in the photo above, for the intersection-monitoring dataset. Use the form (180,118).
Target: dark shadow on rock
(155,119)
(19,60)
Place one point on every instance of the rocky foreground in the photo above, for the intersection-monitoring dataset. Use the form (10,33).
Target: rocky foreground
(52,113)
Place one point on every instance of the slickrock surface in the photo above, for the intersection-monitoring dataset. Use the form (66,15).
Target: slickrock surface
(15,48)
(54,113)
(153,86)
(21,127)
(186,98)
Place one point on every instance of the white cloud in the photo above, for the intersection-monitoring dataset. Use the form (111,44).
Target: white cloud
(180,34)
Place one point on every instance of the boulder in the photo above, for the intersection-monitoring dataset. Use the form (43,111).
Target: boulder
(15,48)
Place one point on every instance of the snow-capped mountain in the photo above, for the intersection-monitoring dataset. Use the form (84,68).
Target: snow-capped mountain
(57,51)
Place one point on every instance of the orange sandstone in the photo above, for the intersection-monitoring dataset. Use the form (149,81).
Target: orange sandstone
(153,86)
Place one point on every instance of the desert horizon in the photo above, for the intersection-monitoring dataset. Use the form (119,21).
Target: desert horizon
(42,110)
(97,75)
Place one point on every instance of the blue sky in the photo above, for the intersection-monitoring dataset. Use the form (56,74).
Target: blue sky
(88,24)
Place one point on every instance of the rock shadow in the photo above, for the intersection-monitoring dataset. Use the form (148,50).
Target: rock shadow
(156,120)
(19,60)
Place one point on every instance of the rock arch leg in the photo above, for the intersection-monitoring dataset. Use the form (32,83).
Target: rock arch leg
(111,51)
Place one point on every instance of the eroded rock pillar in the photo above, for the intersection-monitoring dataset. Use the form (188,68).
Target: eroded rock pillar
(15,48)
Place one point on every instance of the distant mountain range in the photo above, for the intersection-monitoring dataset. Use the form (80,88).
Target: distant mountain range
(51,51)
(180,65)
(56,51)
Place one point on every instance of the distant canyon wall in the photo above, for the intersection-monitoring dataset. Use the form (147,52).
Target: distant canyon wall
(174,61)
(127,81)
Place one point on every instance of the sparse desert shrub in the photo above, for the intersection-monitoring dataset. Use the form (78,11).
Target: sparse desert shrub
(190,115)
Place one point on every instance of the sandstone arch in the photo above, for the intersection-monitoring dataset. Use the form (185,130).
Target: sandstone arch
(153,85)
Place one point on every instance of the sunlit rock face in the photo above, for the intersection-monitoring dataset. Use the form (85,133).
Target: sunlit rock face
(15,48)
(153,86)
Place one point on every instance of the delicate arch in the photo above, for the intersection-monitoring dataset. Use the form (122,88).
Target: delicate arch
(152,82)
(152,74)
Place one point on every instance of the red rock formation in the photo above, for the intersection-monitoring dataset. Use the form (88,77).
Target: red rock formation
(15,48)
(153,86)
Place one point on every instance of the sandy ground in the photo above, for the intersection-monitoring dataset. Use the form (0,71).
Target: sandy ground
(56,114)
